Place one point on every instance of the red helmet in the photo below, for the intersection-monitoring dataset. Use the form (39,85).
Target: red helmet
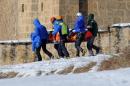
(52,19)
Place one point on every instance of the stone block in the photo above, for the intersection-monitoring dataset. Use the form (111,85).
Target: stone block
(128,5)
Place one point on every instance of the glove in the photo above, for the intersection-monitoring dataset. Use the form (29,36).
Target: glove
(73,30)
(54,41)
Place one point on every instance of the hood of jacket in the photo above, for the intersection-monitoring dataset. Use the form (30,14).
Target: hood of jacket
(36,23)
(79,24)
(91,17)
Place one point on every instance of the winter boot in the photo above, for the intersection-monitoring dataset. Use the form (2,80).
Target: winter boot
(83,52)
(91,53)
(97,50)
(52,57)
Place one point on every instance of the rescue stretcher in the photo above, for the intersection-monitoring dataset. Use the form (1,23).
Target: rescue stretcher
(70,39)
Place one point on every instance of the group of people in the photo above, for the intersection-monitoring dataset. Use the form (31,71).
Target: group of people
(40,36)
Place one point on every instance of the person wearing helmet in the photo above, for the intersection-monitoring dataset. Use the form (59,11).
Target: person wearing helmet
(79,29)
(56,45)
(93,28)
(59,18)
(39,39)
(57,25)
(52,19)
(79,14)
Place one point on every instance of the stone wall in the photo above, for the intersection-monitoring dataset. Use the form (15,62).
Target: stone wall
(120,39)
(31,9)
(8,19)
(68,9)
(16,22)
(110,43)
(44,10)
(15,54)
(16,17)
(108,12)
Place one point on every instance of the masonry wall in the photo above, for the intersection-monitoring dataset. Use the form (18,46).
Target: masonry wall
(16,17)
(68,9)
(31,9)
(8,19)
(15,54)
(16,22)
(119,39)
(110,43)
(108,12)
(44,10)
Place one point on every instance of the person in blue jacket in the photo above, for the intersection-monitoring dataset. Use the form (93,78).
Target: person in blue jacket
(56,45)
(58,29)
(79,29)
(39,40)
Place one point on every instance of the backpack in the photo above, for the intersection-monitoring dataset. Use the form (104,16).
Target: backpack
(64,30)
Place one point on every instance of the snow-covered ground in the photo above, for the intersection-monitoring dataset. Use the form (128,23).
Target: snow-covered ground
(47,67)
(120,77)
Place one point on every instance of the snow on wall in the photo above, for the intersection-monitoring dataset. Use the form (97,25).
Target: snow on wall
(121,25)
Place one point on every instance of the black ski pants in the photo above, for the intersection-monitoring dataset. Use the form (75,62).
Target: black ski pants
(79,40)
(43,46)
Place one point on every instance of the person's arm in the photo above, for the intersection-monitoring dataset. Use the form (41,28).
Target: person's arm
(76,27)
(90,25)
(56,29)
(96,27)
(36,31)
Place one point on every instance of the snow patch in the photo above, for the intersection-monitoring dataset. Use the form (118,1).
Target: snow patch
(120,77)
(121,25)
(48,67)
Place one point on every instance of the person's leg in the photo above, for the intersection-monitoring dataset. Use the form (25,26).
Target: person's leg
(38,55)
(89,46)
(80,38)
(77,46)
(56,46)
(63,49)
(94,46)
(46,51)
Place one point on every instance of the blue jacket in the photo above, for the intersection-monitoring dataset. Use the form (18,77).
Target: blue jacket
(36,41)
(40,30)
(79,25)
(57,27)
(39,35)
